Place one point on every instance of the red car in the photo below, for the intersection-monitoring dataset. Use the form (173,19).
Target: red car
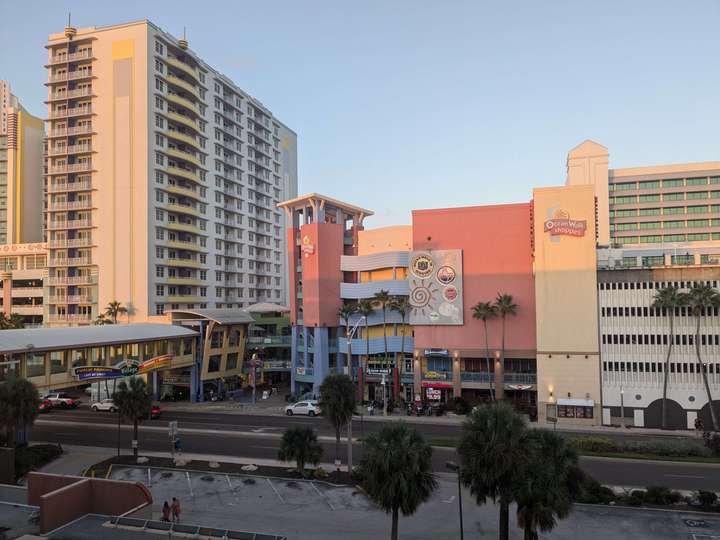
(45,406)
(154,412)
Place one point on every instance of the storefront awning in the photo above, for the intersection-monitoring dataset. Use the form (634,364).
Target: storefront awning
(433,384)
(577,402)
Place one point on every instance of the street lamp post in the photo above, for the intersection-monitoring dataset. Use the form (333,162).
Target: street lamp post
(451,465)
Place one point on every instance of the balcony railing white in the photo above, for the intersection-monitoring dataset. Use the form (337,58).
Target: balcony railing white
(70,94)
(70,168)
(76,130)
(75,111)
(71,205)
(71,75)
(70,224)
(70,317)
(70,261)
(81,185)
(70,242)
(71,299)
(72,149)
(70,280)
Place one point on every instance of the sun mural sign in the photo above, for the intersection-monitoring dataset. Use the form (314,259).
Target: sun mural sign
(436,287)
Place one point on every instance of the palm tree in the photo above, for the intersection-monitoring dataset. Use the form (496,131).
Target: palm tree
(505,306)
(701,298)
(344,314)
(383,299)
(484,311)
(491,451)
(545,488)
(337,403)
(665,301)
(101,320)
(133,403)
(365,308)
(396,469)
(300,444)
(12,322)
(19,401)
(114,309)
(401,304)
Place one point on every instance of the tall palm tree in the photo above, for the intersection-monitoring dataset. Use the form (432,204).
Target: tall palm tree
(484,311)
(19,401)
(401,304)
(12,322)
(365,308)
(665,301)
(114,309)
(545,488)
(133,403)
(337,403)
(300,444)
(491,450)
(396,469)
(383,299)
(344,313)
(701,298)
(505,305)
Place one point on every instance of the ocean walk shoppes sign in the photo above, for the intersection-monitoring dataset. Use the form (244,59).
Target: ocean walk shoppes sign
(124,368)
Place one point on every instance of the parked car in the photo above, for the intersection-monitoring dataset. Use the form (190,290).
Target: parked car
(310,408)
(62,400)
(104,405)
(45,406)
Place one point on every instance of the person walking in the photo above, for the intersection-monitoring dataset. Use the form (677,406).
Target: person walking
(166,512)
(175,510)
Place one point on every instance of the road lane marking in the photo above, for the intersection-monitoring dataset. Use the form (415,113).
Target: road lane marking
(187,475)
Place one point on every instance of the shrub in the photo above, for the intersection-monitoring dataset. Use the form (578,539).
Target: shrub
(638,494)
(712,442)
(592,492)
(659,495)
(707,499)
(666,448)
(633,500)
(460,406)
(30,458)
(593,444)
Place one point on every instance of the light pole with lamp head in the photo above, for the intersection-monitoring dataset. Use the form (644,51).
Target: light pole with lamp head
(451,465)
(349,361)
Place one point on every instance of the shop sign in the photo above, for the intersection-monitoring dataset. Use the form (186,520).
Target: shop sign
(129,367)
(519,386)
(436,384)
(561,224)
(377,370)
(276,364)
(433,394)
(159,362)
(435,352)
(435,375)
(23,248)
(300,370)
(87,373)
(307,248)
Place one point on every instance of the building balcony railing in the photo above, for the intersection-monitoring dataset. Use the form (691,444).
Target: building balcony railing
(71,76)
(185,227)
(78,185)
(179,136)
(71,261)
(85,166)
(71,299)
(71,224)
(76,111)
(71,280)
(70,242)
(180,154)
(186,68)
(72,57)
(183,102)
(183,208)
(477,377)
(185,120)
(183,84)
(184,173)
(269,340)
(186,263)
(28,309)
(69,318)
(75,130)
(71,94)
(72,149)
(182,299)
(27,291)
(520,378)
(185,192)
(70,205)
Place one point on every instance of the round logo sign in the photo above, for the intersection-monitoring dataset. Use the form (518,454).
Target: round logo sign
(450,293)
(422,266)
(446,275)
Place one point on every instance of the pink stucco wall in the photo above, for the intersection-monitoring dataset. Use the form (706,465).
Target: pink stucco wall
(497,257)
(321,275)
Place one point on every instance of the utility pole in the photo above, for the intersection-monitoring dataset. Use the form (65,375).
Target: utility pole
(350,456)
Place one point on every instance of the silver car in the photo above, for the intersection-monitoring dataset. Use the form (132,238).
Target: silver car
(104,405)
(309,408)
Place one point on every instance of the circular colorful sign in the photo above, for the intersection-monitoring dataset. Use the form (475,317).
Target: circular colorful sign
(422,266)
(446,275)
(450,293)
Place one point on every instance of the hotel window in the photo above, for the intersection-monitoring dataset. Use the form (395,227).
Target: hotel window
(99,356)
(650,225)
(625,200)
(653,260)
(58,362)
(648,211)
(673,224)
(696,181)
(698,237)
(651,184)
(697,209)
(159,271)
(79,357)
(132,351)
(649,198)
(675,182)
(715,194)
(159,48)
(698,223)
(652,239)
(673,196)
(35,364)
(159,85)
(697,195)
(674,210)
(683,259)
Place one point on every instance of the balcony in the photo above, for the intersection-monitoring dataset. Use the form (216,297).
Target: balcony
(182,299)
(186,103)
(184,263)
(184,173)
(477,377)
(70,318)
(185,192)
(70,94)
(177,244)
(70,243)
(171,79)
(71,299)
(19,292)
(183,208)
(72,57)
(72,261)
(187,156)
(66,113)
(389,259)
(357,291)
(71,280)
(182,66)
(75,130)
(71,76)
(78,185)
(70,205)
(71,168)
(27,310)
(71,224)
(520,378)
(183,281)
(178,136)
(184,120)
(72,149)
(377,345)
(304,374)
(185,227)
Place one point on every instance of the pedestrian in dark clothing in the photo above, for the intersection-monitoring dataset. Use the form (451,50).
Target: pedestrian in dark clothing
(175,510)
(166,512)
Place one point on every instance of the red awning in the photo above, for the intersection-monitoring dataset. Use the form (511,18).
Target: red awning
(432,384)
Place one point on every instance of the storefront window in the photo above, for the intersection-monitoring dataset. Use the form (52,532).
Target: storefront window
(58,362)
(572,411)
(9,367)
(35,365)
(116,354)
(162,347)
(232,359)
(187,346)
(132,351)
(79,357)
(99,356)
(149,350)
(214,363)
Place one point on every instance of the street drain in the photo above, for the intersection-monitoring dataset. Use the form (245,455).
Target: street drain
(166,474)
(249,481)
(293,485)
(207,478)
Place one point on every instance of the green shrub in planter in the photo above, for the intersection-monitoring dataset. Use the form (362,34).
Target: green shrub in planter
(593,444)
(633,500)
(638,494)
(659,495)
(666,448)
(707,499)
(592,492)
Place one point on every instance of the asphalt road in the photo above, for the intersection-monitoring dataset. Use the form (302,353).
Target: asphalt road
(259,437)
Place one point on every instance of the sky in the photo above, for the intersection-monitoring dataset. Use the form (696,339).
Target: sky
(401,105)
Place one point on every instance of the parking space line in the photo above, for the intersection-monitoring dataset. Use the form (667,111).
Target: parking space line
(276,491)
(187,475)
(149,478)
(322,496)
(228,481)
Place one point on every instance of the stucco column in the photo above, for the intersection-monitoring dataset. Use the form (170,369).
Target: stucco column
(321,358)
(7,292)
(456,381)
(417,376)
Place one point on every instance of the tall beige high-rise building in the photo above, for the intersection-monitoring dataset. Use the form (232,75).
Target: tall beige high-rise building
(163,176)
(21,171)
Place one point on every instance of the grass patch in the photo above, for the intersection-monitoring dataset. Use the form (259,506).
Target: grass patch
(448,442)
(652,457)
(31,458)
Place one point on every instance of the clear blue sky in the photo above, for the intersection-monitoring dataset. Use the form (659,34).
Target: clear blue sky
(422,104)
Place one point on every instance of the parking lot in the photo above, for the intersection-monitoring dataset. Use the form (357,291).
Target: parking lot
(305,510)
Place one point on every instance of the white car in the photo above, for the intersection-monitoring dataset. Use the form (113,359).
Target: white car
(104,405)
(310,408)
